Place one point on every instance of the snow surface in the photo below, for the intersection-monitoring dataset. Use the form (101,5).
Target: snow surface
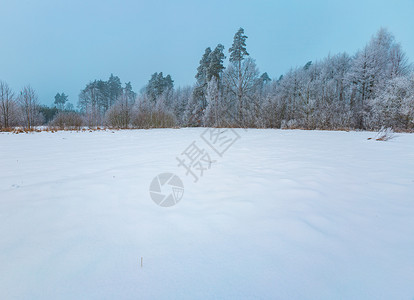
(284,214)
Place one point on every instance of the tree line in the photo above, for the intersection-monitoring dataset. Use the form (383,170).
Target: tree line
(367,90)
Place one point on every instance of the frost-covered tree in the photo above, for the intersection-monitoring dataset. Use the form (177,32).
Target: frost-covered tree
(235,78)
(199,93)
(150,114)
(158,86)
(394,106)
(67,120)
(264,79)
(114,90)
(211,66)
(29,105)
(90,105)
(238,49)
(399,65)
(215,114)
(181,98)
(368,90)
(99,96)
(380,60)
(119,115)
(202,69)
(194,111)
(8,107)
(128,93)
(216,67)
(241,86)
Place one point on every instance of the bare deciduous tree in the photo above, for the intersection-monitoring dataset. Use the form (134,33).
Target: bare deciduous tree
(30,107)
(8,107)
(67,120)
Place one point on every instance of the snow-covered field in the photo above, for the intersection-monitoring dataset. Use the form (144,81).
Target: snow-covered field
(281,215)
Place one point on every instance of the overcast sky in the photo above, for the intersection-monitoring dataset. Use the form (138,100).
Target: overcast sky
(59,46)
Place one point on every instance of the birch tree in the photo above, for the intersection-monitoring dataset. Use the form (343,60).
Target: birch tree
(8,106)
(30,107)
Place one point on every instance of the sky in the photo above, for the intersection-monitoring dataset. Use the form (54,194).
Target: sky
(60,46)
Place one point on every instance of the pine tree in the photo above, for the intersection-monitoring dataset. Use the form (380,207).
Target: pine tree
(211,64)
(159,85)
(202,69)
(60,100)
(237,54)
(307,65)
(129,93)
(238,49)
(216,66)
(114,89)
